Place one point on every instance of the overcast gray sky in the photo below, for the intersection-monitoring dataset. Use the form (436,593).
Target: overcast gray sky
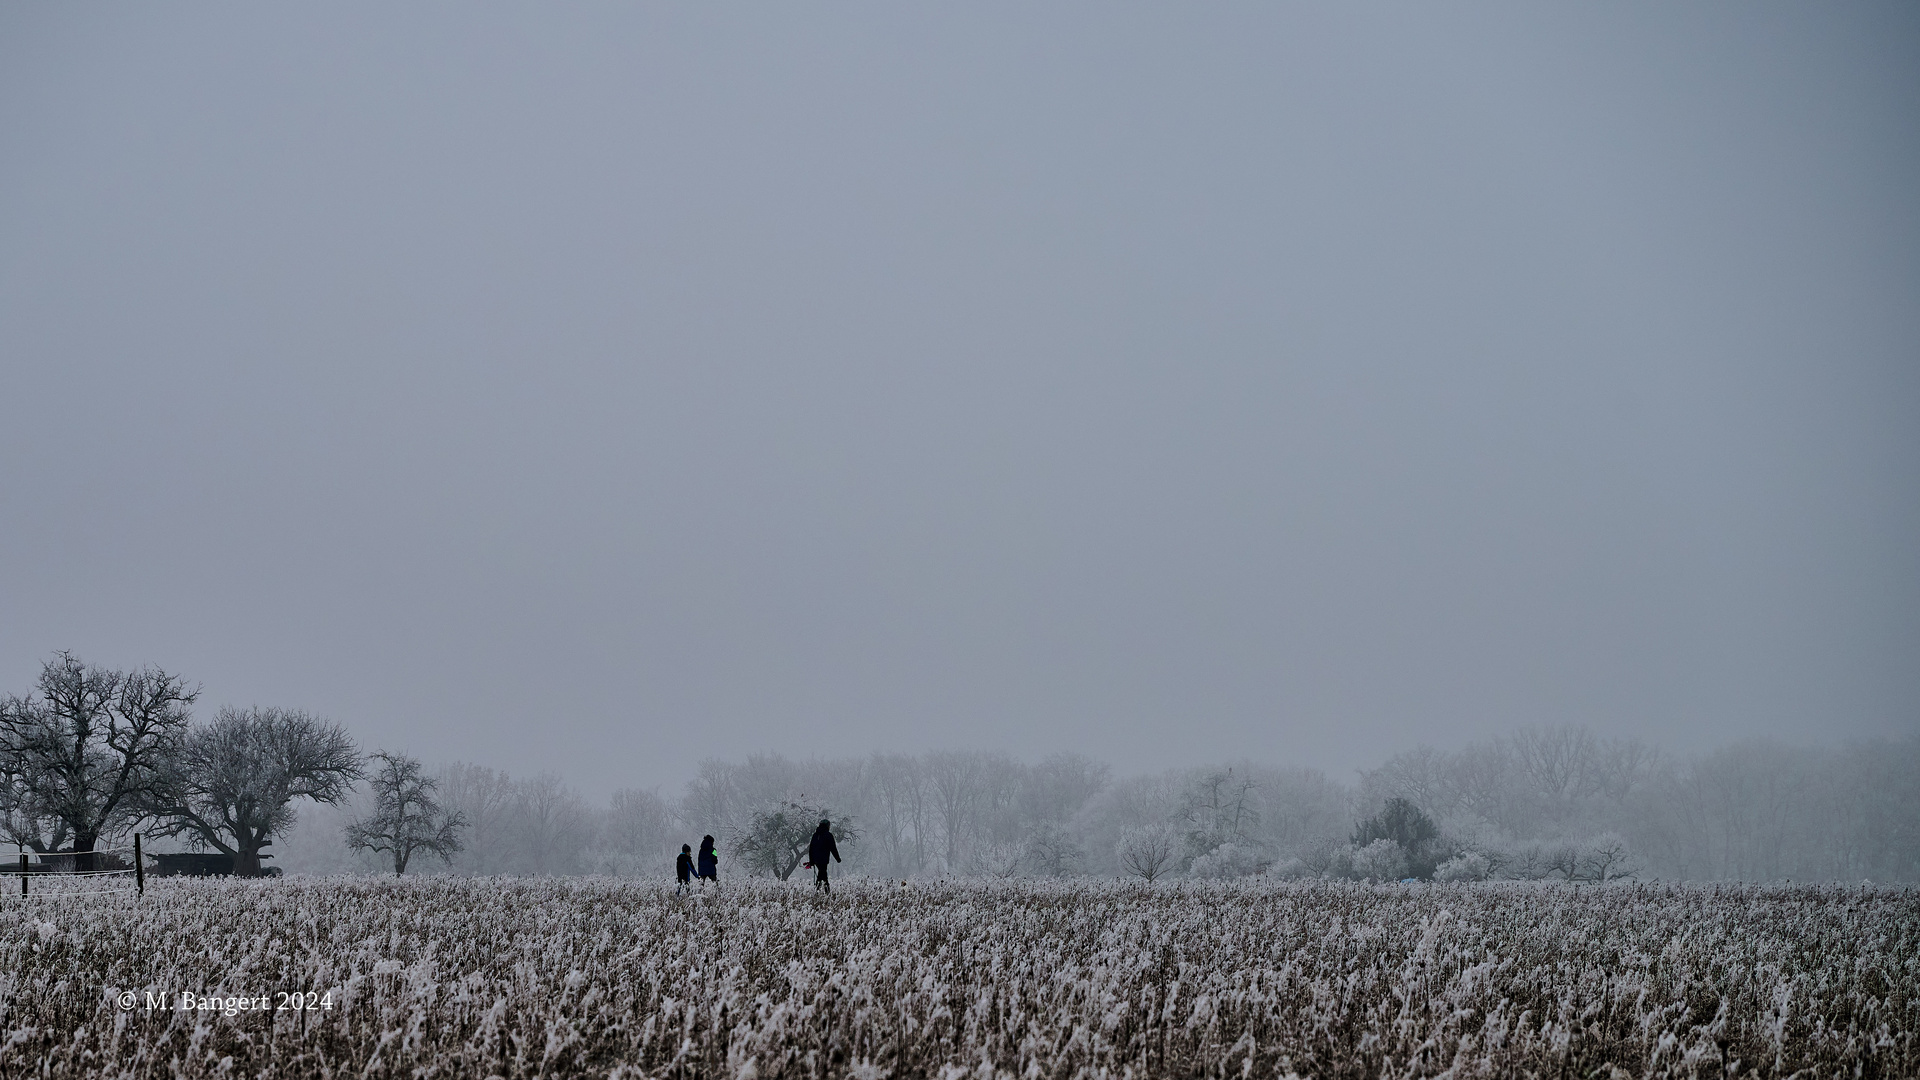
(599,388)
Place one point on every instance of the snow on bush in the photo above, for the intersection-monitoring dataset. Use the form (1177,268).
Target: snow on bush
(1382,860)
(1471,866)
(1229,861)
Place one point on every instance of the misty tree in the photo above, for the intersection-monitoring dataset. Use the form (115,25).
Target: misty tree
(1534,860)
(1052,850)
(1560,762)
(896,794)
(1056,789)
(1604,858)
(996,859)
(637,828)
(1482,784)
(407,819)
(955,780)
(1406,825)
(87,750)
(711,797)
(554,823)
(1538,783)
(775,839)
(1148,851)
(232,783)
(1423,776)
(1399,821)
(1218,808)
(485,799)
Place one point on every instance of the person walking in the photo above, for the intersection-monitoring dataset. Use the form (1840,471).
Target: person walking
(683,868)
(709,867)
(819,850)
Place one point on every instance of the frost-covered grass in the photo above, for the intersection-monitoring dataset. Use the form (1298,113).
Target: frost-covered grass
(463,977)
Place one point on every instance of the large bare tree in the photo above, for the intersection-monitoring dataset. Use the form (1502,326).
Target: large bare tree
(407,819)
(86,751)
(233,782)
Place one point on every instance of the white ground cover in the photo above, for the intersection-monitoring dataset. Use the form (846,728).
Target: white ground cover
(448,977)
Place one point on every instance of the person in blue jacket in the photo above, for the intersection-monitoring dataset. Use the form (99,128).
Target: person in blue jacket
(819,850)
(683,867)
(709,869)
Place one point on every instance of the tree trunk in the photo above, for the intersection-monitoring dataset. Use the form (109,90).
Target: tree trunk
(246,862)
(246,851)
(84,843)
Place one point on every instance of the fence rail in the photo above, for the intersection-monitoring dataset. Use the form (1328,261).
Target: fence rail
(61,873)
(26,873)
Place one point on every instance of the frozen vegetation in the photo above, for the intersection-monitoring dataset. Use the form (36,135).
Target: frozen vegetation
(469,977)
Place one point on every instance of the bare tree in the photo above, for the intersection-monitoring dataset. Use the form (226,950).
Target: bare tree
(953,778)
(23,821)
(1560,764)
(406,818)
(712,798)
(233,782)
(485,799)
(1624,767)
(1422,775)
(897,792)
(1052,851)
(555,826)
(996,860)
(1535,860)
(1218,808)
(1605,857)
(1483,784)
(1060,785)
(635,831)
(1148,851)
(87,749)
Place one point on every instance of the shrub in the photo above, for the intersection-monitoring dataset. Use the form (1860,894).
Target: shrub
(1229,861)
(1469,866)
(1382,860)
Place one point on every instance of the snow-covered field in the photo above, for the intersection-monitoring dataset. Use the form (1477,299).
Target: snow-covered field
(569,977)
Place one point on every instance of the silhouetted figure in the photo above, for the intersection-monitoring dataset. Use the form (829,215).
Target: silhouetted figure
(683,866)
(709,869)
(819,850)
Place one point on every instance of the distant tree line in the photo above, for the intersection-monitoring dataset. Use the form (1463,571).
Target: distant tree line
(90,754)
(1561,802)
(1541,803)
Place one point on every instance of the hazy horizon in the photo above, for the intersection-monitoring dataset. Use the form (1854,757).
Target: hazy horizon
(597,390)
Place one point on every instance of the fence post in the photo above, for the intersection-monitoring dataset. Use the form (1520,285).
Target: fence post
(23,874)
(139,868)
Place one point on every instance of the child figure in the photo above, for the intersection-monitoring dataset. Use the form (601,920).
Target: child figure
(683,868)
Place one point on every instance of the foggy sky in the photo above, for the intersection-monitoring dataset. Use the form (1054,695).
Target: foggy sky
(601,388)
